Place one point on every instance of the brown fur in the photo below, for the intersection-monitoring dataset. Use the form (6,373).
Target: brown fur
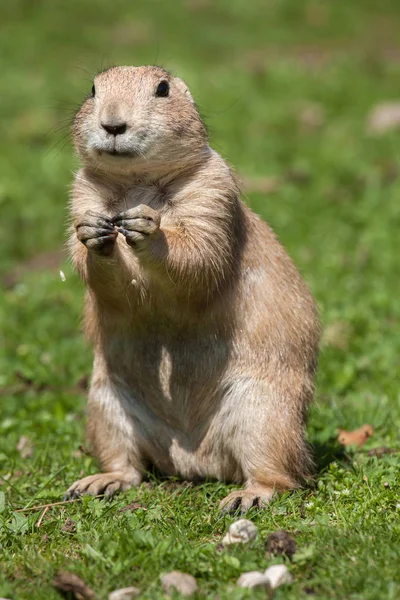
(205,337)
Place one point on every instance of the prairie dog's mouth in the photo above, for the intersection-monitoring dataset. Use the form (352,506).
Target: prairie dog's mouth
(119,153)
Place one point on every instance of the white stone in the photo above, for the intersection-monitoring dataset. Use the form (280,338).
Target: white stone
(182,582)
(240,532)
(384,117)
(124,594)
(253,579)
(278,575)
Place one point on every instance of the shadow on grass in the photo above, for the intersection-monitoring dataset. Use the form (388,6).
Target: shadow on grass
(324,454)
(327,452)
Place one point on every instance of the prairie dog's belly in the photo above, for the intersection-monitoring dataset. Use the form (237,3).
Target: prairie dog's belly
(171,398)
(196,452)
(168,371)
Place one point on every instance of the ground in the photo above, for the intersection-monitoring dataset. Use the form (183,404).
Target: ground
(286,89)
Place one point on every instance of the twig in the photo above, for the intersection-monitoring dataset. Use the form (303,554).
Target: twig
(47,506)
(38,524)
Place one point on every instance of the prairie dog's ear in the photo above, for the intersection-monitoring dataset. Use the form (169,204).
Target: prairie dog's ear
(181,85)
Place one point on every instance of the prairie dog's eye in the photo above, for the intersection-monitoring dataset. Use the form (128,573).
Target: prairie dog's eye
(162,89)
(93,91)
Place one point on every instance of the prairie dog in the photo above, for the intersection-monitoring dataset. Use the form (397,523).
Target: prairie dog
(205,337)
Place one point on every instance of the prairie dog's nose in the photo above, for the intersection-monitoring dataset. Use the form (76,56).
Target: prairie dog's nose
(115,128)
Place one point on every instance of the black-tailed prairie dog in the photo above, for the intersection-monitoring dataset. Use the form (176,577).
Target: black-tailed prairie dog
(205,336)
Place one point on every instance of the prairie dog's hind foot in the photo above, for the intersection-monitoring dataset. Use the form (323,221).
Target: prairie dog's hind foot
(105,484)
(256,496)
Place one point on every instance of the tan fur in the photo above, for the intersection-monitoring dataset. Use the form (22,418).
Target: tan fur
(205,337)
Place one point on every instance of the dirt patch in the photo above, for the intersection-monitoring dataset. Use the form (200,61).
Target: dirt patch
(379,452)
(131,507)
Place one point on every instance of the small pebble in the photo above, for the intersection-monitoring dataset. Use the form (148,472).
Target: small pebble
(240,532)
(182,582)
(124,594)
(253,579)
(25,447)
(384,117)
(278,575)
(281,542)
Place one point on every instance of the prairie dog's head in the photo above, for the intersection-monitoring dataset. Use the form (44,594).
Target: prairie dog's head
(138,119)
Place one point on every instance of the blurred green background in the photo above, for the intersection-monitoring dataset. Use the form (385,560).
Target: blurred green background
(296,96)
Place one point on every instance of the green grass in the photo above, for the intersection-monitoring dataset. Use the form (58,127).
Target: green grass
(252,66)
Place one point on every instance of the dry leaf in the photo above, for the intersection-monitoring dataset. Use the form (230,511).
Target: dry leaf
(358,437)
(70,583)
(25,447)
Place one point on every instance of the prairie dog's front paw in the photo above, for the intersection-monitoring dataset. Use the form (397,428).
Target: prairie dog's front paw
(137,224)
(104,483)
(97,233)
